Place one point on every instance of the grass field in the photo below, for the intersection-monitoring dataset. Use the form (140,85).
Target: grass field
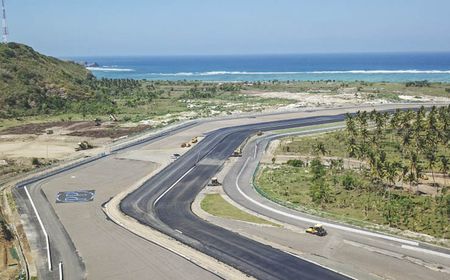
(291,185)
(215,205)
(304,145)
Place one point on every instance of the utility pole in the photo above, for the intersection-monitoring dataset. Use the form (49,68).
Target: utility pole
(4,26)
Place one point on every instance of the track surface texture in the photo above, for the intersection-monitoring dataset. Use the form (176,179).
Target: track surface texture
(164,202)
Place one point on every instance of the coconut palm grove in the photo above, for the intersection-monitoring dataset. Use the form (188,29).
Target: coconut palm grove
(383,168)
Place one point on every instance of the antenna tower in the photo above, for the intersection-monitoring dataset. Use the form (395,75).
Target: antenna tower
(5,27)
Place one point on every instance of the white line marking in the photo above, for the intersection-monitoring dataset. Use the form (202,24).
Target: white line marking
(344,228)
(174,184)
(43,229)
(401,256)
(426,251)
(61,277)
(321,265)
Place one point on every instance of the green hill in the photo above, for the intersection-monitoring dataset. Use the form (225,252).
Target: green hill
(32,83)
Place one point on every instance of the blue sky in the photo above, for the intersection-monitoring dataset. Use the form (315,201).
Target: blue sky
(155,27)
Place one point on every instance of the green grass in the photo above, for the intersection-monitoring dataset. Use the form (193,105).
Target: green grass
(304,145)
(387,90)
(215,205)
(291,186)
(14,253)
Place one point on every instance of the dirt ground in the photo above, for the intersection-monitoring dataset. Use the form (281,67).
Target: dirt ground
(9,262)
(55,141)
(345,97)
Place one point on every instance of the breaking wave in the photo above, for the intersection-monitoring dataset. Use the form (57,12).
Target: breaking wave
(217,73)
(109,69)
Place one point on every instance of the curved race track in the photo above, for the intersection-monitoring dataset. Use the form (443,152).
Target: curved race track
(164,202)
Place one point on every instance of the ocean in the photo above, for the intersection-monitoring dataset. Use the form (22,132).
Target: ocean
(388,67)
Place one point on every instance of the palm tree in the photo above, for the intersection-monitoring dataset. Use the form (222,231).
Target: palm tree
(444,167)
(352,147)
(319,148)
(392,170)
(414,175)
(407,138)
(350,124)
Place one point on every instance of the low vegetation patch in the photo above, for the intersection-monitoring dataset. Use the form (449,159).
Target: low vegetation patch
(215,205)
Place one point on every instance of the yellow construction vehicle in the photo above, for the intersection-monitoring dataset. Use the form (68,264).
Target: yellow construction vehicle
(317,230)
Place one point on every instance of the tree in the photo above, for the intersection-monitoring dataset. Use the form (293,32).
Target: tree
(352,147)
(444,166)
(319,148)
(321,192)
(431,157)
(392,171)
(350,124)
(317,169)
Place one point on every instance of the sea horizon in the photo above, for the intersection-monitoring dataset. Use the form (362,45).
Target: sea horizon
(370,67)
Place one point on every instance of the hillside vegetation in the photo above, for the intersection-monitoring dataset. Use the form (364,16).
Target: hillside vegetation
(32,83)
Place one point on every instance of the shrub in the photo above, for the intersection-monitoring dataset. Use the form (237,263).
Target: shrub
(349,182)
(317,169)
(35,162)
(423,83)
(296,163)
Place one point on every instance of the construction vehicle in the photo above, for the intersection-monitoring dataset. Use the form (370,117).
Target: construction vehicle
(237,153)
(84,145)
(215,182)
(185,145)
(317,230)
(175,156)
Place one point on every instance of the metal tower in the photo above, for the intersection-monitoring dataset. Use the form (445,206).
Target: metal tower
(5,27)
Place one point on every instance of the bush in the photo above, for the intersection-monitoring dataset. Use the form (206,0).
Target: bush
(349,182)
(423,83)
(296,163)
(317,169)
(35,162)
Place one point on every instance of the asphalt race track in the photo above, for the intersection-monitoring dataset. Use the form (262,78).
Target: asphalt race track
(164,203)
